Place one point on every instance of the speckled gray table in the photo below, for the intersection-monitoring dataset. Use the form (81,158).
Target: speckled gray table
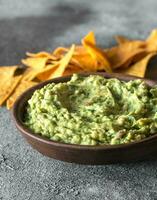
(42,25)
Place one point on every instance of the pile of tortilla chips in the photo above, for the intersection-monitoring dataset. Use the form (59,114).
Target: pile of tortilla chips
(129,57)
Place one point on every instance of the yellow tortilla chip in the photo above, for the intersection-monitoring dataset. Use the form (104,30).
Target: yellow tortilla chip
(121,54)
(80,50)
(53,62)
(8,84)
(41,74)
(36,62)
(63,63)
(139,68)
(7,71)
(24,85)
(153,36)
(71,69)
(30,74)
(60,51)
(121,39)
(41,54)
(137,57)
(152,41)
(86,62)
(89,44)
(46,73)
(89,38)
(76,63)
(99,56)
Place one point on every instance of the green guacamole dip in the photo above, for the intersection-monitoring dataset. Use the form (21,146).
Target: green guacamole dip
(94,111)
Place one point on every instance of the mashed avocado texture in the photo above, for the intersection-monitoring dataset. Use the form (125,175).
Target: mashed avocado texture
(93,110)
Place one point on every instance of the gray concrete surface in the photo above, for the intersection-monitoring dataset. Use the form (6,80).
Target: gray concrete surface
(42,25)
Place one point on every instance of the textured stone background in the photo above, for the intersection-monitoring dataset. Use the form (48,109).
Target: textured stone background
(42,25)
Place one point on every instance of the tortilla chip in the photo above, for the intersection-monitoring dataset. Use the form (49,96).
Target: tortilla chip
(30,74)
(36,62)
(99,56)
(76,63)
(139,68)
(63,63)
(121,39)
(41,74)
(137,57)
(89,38)
(60,51)
(152,41)
(71,69)
(153,36)
(53,62)
(80,50)
(86,62)
(7,71)
(41,54)
(8,84)
(24,85)
(46,73)
(121,54)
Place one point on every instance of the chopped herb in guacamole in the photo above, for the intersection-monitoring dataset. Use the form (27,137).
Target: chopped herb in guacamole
(94,110)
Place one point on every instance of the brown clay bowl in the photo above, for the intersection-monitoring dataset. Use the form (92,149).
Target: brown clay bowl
(83,154)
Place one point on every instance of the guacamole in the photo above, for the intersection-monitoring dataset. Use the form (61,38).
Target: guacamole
(93,110)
